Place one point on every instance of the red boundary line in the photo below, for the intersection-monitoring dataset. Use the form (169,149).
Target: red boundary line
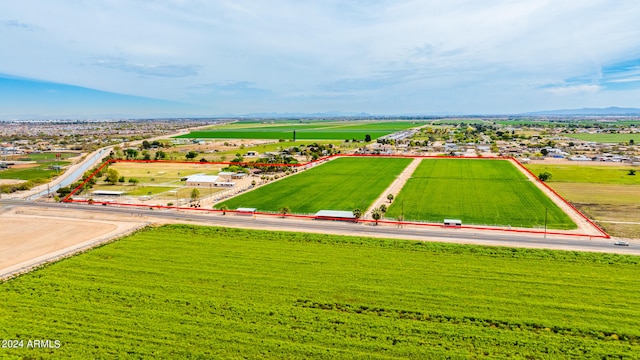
(604,235)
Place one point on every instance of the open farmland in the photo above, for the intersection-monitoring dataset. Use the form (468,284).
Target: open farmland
(482,192)
(607,194)
(582,172)
(196,292)
(607,138)
(340,184)
(37,172)
(309,131)
(159,180)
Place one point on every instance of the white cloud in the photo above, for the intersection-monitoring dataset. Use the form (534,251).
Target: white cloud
(574,89)
(373,52)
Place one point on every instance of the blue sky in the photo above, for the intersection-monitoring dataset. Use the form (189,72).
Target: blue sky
(380,57)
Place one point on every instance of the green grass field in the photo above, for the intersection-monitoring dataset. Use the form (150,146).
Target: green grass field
(482,192)
(316,131)
(607,138)
(341,184)
(582,173)
(41,157)
(605,193)
(194,292)
(40,172)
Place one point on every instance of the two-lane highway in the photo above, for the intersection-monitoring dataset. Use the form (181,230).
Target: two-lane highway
(496,238)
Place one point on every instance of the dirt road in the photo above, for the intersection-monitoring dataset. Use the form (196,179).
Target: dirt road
(395,187)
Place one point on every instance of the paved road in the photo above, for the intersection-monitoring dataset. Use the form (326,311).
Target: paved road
(340,228)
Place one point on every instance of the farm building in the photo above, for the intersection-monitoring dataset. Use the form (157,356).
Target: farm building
(226,175)
(335,215)
(107,193)
(202,180)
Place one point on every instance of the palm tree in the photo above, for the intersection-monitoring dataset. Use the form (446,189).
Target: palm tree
(376,214)
(357,213)
(390,197)
(284,211)
(224,209)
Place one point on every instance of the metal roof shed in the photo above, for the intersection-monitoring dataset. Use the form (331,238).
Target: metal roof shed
(335,215)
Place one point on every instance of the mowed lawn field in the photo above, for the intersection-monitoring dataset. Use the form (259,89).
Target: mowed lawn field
(194,292)
(343,130)
(606,193)
(476,191)
(340,184)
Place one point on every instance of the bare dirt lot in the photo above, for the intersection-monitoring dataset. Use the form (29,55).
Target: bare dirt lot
(29,238)
(10,181)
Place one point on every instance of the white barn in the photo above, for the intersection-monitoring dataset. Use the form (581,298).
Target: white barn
(201,180)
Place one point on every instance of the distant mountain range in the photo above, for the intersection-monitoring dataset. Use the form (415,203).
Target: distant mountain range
(611,111)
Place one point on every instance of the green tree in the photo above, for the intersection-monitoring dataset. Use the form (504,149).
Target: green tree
(238,158)
(195,195)
(632,142)
(376,214)
(632,172)
(131,154)
(544,176)
(284,211)
(121,179)
(160,155)
(383,208)
(367,138)
(191,155)
(390,197)
(357,213)
(112,176)
(133,181)
(224,209)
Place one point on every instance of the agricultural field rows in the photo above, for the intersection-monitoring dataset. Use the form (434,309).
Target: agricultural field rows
(315,131)
(197,292)
(340,184)
(481,192)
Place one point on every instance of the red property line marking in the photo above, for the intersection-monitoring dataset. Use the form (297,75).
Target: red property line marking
(604,235)
(313,217)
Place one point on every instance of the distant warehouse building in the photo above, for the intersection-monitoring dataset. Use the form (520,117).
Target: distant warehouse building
(201,180)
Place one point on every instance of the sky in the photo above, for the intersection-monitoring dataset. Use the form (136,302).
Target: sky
(179,57)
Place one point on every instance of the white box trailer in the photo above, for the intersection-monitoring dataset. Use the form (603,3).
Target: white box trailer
(452,222)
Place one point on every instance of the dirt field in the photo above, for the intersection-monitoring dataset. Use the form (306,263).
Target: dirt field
(584,227)
(10,181)
(29,238)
